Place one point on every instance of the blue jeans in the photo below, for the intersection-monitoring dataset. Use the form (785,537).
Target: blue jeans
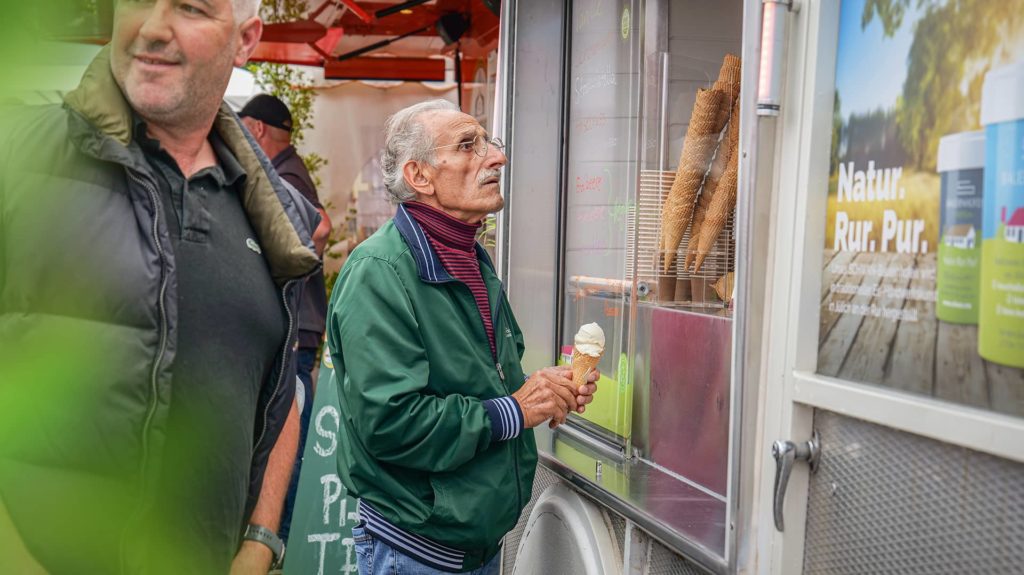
(305,362)
(378,558)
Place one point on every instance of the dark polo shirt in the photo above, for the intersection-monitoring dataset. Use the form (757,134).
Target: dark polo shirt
(230,329)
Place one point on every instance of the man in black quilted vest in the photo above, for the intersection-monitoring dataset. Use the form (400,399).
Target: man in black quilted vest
(151,262)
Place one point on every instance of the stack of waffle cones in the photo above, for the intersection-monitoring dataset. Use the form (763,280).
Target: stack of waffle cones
(701,141)
(704,174)
(722,199)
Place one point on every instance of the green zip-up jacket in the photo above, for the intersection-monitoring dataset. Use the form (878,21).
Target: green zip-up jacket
(431,442)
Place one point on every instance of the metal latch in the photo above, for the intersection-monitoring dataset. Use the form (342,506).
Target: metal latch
(786,453)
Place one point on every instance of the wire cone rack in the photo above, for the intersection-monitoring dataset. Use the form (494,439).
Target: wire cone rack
(679,287)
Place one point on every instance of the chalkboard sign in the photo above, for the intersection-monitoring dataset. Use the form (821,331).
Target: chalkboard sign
(321,535)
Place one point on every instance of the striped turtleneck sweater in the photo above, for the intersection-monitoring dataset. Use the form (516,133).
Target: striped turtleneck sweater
(453,240)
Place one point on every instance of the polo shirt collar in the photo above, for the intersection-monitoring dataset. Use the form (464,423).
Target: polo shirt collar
(228,172)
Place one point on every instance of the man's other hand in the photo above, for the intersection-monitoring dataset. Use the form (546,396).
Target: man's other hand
(548,393)
(252,559)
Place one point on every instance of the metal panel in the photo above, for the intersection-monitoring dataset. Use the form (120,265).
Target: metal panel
(664,561)
(683,515)
(656,558)
(534,130)
(688,428)
(885,501)
(541,481)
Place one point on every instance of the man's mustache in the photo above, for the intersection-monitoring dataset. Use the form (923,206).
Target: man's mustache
(488,174)
(156,51)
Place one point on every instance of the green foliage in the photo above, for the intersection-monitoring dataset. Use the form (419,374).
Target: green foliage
(955,44)
(890,13)
(837,134)
(274,11)
(486,235)
(293,86)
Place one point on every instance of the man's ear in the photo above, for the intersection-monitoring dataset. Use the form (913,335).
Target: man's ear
(256,127)
(249,32)
(419,177)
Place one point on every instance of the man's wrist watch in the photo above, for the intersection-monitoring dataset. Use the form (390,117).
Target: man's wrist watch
(261,534)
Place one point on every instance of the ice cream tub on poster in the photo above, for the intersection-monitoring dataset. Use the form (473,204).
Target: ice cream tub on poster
(961,163)
(1001,296)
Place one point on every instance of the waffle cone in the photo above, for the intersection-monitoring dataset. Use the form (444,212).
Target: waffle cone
(582,365)
(721,199)
(724,286)
(699,213)
(718,166)
(666,282)
(728,82)
(700,143)
(718,214)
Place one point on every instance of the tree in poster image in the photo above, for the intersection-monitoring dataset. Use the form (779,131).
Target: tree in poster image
(837,134)
(955,43)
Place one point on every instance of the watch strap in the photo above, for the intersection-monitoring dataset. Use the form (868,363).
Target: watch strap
(261,534)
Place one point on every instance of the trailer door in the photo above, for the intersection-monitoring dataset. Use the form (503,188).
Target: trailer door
(890,227)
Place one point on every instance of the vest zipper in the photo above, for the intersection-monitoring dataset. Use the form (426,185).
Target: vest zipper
(137,515)
(151,411)
(284,366)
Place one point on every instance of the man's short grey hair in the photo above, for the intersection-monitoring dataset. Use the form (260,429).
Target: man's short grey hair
(245,9)
(405,140)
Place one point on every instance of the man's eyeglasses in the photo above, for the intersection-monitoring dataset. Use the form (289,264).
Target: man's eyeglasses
(477,145)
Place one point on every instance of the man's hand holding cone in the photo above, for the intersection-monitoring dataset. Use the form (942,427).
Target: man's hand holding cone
(550,393)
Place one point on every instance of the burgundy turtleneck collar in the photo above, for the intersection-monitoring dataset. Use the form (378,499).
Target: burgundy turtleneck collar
(444,228)
(454,242)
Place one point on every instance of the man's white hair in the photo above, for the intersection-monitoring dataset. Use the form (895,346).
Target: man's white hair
(406,139)
(245,9)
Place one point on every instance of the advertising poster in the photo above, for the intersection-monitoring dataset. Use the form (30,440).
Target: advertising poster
(923,279)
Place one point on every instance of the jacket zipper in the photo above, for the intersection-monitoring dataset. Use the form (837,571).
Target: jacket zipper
(161,350)
(284,366)
(501,374)
(514,446)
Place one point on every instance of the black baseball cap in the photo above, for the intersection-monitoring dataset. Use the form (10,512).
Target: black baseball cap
(270,110)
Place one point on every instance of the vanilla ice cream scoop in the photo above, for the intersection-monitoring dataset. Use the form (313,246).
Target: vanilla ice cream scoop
(590,340)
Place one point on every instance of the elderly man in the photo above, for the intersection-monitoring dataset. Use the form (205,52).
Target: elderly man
(147,239)
(437,441)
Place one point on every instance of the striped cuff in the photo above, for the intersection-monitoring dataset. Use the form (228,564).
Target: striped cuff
(506,418)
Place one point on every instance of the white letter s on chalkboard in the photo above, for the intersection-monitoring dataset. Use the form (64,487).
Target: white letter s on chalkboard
(329,434)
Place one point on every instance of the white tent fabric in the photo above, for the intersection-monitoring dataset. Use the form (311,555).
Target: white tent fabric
(348,131)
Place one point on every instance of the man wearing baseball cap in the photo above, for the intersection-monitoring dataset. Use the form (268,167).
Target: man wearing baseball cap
(271,124)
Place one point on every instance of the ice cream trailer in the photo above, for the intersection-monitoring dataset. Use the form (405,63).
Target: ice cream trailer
(797,223)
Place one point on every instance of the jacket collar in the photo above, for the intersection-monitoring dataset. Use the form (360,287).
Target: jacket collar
(283,155)
(428,265)
(272,210)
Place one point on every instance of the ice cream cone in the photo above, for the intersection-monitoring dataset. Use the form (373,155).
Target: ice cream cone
(582,365)
(588,347)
